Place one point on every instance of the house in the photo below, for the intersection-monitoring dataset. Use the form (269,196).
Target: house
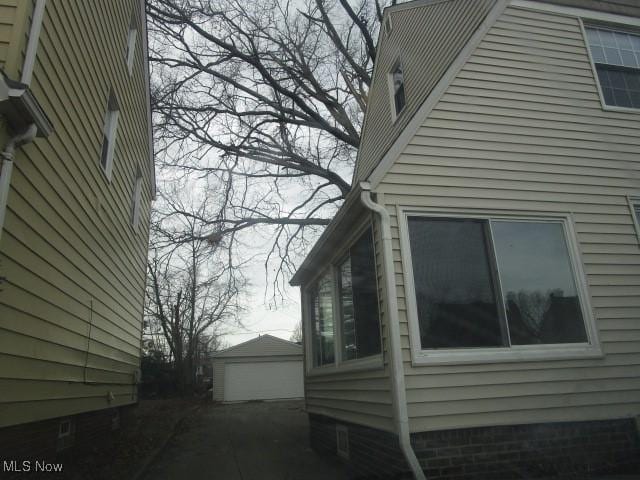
(263,368)
(76,185)
(473,310)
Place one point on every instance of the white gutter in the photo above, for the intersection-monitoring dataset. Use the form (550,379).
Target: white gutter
(398,388)
(32,45)
(7,156)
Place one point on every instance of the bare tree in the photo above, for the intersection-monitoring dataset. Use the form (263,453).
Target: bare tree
(296,335)
(192,290)
(265,99)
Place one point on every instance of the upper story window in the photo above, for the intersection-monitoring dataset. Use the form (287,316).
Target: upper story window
(137,194)
(616,55)
(486,282)
(343,309)
(109,133)
(397,89)
(131,46)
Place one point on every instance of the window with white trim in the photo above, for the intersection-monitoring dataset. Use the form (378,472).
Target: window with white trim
(616,56)
(322,321)
(358,299)
(396,79)
(343,307)
(109,133)
(131,45)
(634,203)
(493,283)
(135,204)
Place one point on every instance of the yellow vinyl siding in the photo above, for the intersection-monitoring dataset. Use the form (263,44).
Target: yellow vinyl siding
(71,311)
(14,25)
(426,40)
(521,130)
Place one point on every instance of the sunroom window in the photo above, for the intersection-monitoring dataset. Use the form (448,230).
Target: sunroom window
(616,55)
(493,283)
(358,296)
(322,321)
(352,331)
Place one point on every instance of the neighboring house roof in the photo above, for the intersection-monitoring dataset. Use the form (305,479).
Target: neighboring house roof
(262,346)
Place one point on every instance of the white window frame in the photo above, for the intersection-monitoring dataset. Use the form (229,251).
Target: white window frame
(634,200)
(131,48)
(137,195)
(372,362)
(110,131)
(513,353)
(392,94)
(605,106)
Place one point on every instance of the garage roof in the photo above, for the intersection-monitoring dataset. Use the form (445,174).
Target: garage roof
(262,346)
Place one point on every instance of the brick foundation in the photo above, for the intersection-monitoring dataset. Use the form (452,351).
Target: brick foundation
(39,440)
(568,450)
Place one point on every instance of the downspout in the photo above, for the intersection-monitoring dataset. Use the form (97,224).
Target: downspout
(8,154)
(398,388)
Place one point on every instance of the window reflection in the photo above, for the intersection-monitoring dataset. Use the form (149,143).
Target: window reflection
(455,290)
(322,320)
(540,293)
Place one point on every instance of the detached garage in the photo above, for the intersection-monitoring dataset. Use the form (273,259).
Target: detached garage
(265,368)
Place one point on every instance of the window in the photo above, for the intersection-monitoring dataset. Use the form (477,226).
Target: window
(322,321)
(634,203)
(343,308)
(397,89)
(109,131)
(358,296)
(387,25)
(493,283)
(616,56)
(131,46)
(135,207)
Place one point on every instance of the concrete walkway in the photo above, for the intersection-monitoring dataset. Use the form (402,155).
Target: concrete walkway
(245,441)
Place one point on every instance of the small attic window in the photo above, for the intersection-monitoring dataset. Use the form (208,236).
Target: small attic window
(131,44)
(397,89)
(387,25)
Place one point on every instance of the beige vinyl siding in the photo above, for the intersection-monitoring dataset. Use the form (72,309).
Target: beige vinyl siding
(521,130)
(362,397)
(425,40)
(71,311)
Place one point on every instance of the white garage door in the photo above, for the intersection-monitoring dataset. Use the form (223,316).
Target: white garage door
(263,380)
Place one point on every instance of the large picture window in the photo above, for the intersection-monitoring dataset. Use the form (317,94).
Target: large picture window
(343,307)
(493,283)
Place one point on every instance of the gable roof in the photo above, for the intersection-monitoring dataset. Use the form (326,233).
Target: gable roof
(425,38)
(262,346)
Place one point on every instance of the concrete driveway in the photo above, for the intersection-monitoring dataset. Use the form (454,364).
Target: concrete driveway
(244,441)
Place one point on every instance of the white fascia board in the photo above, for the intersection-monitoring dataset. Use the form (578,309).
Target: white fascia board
(144,43)
(436,94)
(577,12)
